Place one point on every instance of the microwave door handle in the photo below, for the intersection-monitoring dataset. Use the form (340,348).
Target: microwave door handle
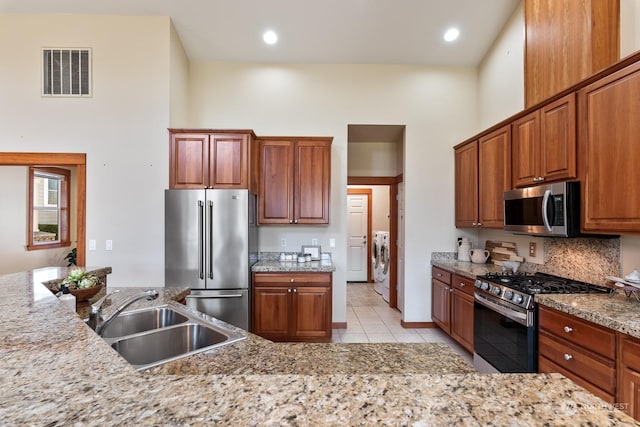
(545,204)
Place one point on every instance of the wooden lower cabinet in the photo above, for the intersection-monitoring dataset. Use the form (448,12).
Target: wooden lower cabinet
(452,306)
(292,306)
(629,375)
(580,350)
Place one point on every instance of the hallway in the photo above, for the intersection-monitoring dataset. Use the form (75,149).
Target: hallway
(370,320)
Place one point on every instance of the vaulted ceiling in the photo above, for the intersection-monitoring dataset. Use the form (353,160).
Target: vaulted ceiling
(312,31)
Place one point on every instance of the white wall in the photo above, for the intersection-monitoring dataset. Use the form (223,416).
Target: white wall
(372,159)
(437,105)
(122,127)
(629,27)
(179,81)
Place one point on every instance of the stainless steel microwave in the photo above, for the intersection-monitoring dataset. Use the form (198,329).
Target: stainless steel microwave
(544,210)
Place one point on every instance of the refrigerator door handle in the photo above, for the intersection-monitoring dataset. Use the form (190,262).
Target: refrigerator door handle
(215,296)
(210,239)
(200,236)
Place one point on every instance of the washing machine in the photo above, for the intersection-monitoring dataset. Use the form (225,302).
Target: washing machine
(384,264)
(375,261)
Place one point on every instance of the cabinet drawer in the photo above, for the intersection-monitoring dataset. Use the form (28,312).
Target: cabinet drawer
(442,275)
(594,369)
(462,284)
(547,366)
(298,278)
(580,332)
(630,352)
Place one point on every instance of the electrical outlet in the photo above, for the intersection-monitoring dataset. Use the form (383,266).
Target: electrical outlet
(108,245)
(314,242)
(532,249)
(283,243)
(92,245)
(332,243)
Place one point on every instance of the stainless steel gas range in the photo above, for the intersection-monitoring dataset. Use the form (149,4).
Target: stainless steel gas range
(505,322)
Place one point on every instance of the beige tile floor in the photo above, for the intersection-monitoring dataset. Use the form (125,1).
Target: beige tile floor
(369,319)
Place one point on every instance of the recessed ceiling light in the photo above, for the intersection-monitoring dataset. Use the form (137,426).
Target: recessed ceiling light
(270,37)
(451,34)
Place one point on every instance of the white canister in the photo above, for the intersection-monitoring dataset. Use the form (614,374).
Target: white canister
(463,250)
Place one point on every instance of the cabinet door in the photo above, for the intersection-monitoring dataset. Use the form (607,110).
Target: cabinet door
(525,158)
(189,161)
(558,140)
(462,319)
(312,182)
(630,392)
(229,161)
(271,311)
(466,185)
(440,305)
(312,312)
(494,176)
(276,183)
(609,151)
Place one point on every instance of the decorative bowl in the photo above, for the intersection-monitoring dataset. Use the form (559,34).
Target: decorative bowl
(83,294)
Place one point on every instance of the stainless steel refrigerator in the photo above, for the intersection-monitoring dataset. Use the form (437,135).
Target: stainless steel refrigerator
(211,242)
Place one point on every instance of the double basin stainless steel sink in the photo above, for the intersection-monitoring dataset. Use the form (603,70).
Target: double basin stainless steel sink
(152,336)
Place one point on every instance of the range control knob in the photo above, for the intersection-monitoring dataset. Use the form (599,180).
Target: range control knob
(517,298)
(496,290)
(485,286)
(477,283)
(508,294)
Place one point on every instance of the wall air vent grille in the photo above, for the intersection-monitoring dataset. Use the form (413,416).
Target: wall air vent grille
(66,72)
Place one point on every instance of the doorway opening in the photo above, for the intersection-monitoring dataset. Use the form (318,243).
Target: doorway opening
(73,160)
(375,169)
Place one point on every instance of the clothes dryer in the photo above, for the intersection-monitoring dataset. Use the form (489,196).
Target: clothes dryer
(383,270)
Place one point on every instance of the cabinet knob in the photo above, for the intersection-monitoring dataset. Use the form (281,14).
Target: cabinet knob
(290,221)
(450,289)
(292,280)
(540,179)
(567,356)
(474,224)
(479,224)
(296,221)
(568,329)
(289,290)
(462,284)
(295,290)
(535,179)
(439,274)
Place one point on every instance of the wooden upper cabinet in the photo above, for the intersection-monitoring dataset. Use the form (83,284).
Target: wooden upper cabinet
(544,144)
(312,182)
(210,159)
(295,180)
(494,176)
(466,185)
(567,41)
(609,152)
(276,182)
(229,161)
(189,158)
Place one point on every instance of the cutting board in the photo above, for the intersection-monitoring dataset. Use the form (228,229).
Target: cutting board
(502,251)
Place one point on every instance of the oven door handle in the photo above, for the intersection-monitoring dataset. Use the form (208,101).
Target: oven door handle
(516,316)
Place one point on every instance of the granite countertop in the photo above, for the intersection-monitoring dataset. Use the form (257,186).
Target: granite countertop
(66,375)
(616,312)
(466,269)
(275,266)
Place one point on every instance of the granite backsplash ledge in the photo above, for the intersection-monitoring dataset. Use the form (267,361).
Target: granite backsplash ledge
(584,259)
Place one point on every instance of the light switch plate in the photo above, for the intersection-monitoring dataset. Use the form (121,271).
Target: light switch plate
(332,242)
(108,245)
(92,245)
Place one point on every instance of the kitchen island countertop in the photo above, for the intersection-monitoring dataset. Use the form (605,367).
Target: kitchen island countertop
(276,266)
(65,374)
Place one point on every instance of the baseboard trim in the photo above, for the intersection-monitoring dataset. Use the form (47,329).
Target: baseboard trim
(415,325)
(339,325)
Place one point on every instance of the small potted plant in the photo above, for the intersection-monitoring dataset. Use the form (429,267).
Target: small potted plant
(82,284)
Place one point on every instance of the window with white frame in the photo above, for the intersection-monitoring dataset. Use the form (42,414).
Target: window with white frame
(66,72)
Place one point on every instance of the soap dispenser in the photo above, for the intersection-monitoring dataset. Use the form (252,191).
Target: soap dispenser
(67,299)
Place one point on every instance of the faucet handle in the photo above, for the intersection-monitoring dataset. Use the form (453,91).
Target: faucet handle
(96,307)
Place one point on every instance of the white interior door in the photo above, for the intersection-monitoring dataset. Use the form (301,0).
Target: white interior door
(400,254)
(357,237)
